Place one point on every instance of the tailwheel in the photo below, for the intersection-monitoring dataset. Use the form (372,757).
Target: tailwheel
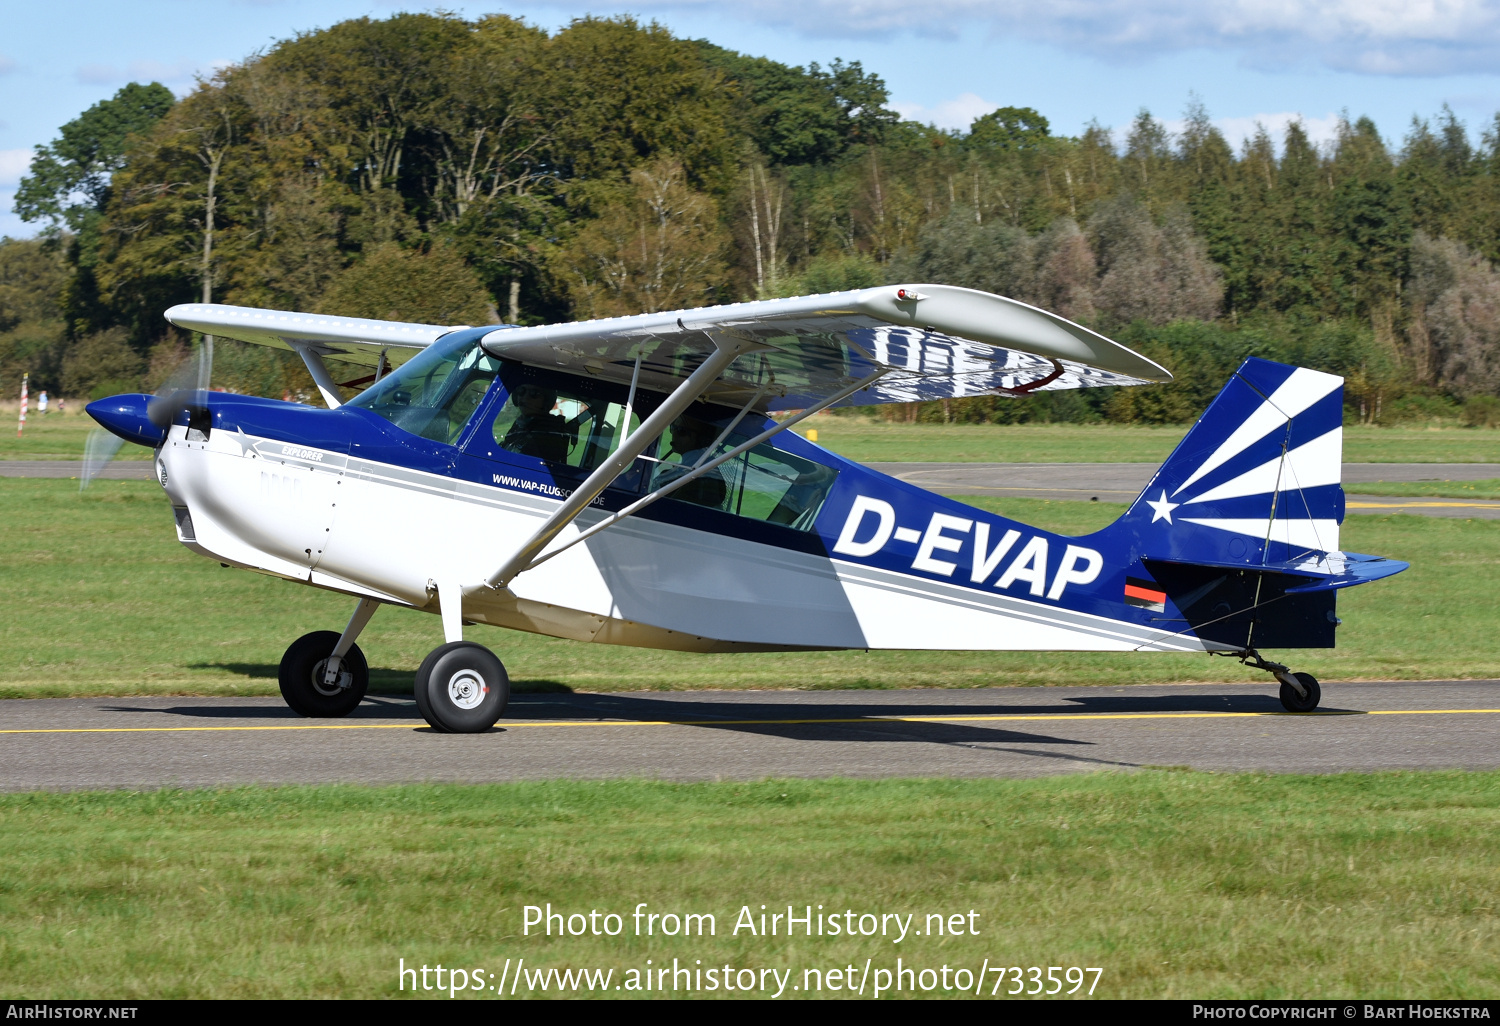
(1307,700)
(307,685)
(461,688)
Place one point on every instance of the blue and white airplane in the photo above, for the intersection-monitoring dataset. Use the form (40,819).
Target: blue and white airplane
(623,482)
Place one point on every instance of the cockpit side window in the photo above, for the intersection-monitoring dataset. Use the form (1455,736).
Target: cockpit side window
(764,483)
(563,426)
(435,393)
(576,423)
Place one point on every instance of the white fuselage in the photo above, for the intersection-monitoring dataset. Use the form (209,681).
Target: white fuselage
(391,533)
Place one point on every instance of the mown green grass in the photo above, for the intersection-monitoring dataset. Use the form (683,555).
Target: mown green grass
(1484,488)
(57,436)
(1177,884)
(97,597)
(876,441)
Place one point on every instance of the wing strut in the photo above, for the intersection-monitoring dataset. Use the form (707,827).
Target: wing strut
(726,350)
(320,375)
(703,468)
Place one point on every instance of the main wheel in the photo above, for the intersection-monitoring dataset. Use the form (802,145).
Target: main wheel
(461,688)
(301,676)
(1294,702)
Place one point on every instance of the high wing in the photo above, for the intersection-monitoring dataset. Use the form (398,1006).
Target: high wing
(932,342)
(355,340)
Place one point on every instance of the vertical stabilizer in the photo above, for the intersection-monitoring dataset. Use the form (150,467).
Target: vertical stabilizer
(1257,479)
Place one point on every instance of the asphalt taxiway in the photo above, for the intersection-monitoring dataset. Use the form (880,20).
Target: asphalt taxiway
(65,744)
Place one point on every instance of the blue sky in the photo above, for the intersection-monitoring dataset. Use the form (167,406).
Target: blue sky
(946,61)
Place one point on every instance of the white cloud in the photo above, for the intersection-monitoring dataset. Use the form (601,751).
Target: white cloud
(1384,37)
(13,164)
(1320,131)
(7,64)
(180,73)
(957,113)
(10,224)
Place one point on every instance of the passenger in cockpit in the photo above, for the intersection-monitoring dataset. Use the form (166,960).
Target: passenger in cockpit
(691,438)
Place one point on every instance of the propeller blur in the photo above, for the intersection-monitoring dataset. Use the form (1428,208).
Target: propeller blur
(189,377)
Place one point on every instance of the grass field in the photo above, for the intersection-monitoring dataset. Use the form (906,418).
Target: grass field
(1176,884)
(875,441)
(98,597)
(57,436)
(1486,488)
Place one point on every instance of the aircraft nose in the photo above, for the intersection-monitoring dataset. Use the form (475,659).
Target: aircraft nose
(125,415)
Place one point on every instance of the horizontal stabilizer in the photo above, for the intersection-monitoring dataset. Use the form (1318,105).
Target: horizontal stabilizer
(1357,569)
(1329,571)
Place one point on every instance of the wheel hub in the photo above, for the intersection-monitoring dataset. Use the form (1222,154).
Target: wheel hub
(343,682)
(466,689)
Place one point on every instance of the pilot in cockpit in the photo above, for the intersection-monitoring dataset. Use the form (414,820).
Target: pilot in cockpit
(538,429)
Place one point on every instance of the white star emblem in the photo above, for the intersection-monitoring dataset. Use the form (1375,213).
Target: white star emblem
(243,441)
(1161,508)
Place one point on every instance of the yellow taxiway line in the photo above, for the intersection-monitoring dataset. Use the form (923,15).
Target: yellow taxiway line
(1466,504)
(1020,717)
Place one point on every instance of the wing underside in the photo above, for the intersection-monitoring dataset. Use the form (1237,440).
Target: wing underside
(926,341)
(932,342)
(355,340)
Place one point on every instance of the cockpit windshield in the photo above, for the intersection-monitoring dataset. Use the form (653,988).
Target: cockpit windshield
(435,392)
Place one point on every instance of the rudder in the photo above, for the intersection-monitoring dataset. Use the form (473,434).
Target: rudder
(1256,480)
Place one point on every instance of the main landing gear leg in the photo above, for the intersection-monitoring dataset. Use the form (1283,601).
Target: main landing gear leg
(325,674)
(461,688)
(1299,691)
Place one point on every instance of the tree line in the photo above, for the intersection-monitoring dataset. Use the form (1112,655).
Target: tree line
(431,168)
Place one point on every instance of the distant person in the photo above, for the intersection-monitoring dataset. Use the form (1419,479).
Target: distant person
(62,405)
(41,403)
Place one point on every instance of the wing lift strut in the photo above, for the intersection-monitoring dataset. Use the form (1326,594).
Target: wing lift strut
(319,371)
(727,349)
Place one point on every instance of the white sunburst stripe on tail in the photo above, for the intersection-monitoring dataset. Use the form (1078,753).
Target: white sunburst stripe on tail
(1320,535)
(1310,465)
(1297,393)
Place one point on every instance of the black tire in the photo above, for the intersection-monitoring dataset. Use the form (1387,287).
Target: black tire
(302,681)
(1294,702)
(461,688)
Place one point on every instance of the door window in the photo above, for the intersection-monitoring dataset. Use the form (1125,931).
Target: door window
(578,427)
(561,426)
(763,483)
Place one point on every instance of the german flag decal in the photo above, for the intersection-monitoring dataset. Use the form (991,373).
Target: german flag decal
(1145,595)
